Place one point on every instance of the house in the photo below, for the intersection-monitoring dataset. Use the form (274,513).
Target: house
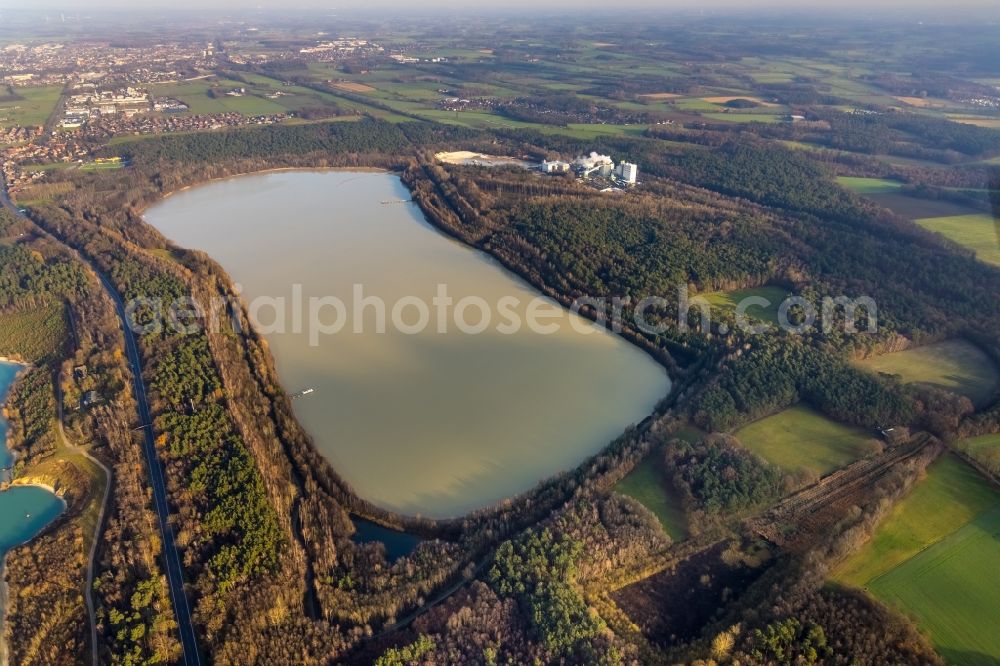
(89,399)
(80,371)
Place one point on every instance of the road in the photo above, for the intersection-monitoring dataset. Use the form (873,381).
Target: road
(171,558)
(88,587)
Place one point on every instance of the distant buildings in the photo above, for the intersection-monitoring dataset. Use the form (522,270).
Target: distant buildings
(594,165)
(87,102)
(170,105)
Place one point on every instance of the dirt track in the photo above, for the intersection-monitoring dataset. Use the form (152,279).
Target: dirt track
(793,521)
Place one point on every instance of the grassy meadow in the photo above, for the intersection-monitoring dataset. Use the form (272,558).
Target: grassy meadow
(914,208)
(945,590)
(976,232)
(648,484)
(869,185)
(928,559)
(736,117)
(985,450)
(256,101)
(950,496)
(727,301)
(33,109)
(196,95)
(954,365)
(801,438)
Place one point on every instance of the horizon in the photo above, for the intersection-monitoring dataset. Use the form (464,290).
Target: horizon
(926,8)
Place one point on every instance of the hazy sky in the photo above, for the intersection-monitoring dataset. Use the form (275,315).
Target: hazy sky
(472,6)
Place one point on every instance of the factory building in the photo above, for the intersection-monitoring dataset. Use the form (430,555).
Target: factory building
(555,166)
(627,172)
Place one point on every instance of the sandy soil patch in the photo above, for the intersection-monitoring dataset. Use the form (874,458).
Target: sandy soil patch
(469,157)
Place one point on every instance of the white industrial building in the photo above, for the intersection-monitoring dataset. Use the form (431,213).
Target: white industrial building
(555,166)
(627,172)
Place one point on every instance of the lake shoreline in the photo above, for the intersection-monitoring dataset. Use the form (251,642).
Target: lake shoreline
(549,444)
(5,486)
(261,172)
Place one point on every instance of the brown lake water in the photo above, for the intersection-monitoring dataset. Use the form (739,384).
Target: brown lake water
(437,422)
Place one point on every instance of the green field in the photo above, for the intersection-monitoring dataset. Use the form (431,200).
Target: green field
(869,185)
(729,300)
(590,131)
(800,438)
(696,105)
(954,365)
(976,232)
(951,496)
(915,208)
(34,109)
(744,117)
(98,166)
(945,590)
(196,95)
(933,558)
(648,484)
(985,449)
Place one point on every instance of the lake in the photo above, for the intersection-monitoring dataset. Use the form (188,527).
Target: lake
(437,420)
(24,510)
(8,373)
(397,544)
